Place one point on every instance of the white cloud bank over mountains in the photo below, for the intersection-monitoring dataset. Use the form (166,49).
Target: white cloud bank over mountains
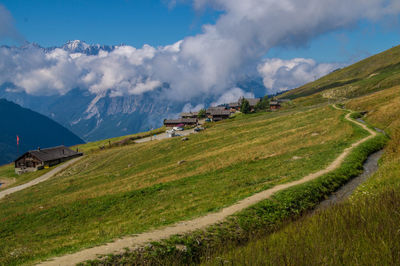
(281,75)
(204,65)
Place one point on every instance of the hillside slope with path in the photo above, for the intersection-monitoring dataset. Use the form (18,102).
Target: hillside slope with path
(119,245)
(40,179)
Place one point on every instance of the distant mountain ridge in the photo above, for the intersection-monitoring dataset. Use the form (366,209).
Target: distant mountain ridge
(100,116)
(34,130)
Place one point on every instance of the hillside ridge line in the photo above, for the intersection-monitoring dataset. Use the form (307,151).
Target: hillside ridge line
(119,245)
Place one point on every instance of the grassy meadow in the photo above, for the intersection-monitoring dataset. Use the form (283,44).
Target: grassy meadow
(379,72)
(134,188)
(8,174)
(364,230)
(94,146)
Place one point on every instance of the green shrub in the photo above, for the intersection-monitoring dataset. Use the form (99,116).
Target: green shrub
(245,107)
(202,113)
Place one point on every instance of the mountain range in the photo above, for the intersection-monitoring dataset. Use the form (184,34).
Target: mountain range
(33,129)
(94,116)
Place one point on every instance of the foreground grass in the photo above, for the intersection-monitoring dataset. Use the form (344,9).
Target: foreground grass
(362,231)
(135,188)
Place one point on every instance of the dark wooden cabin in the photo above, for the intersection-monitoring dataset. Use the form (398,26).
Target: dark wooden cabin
(211,110)
(233,107)
(236,106)
(274,105)
(42,158)
(219,114)
(180,121)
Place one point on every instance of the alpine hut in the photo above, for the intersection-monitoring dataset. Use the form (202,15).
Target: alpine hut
(43,158)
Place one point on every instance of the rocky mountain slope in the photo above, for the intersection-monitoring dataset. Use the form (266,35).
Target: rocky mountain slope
(100,115)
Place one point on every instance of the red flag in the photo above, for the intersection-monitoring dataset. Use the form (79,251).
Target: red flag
(17,140)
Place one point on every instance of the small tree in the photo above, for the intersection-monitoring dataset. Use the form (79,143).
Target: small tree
(263,104)
(201,113)
(245,107)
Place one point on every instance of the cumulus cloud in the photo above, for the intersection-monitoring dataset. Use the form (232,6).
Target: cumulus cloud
(200,66)
(279,75)
(190,108)
(7,28)
(232,95)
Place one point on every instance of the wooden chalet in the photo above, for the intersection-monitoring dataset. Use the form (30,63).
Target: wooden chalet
(210,110)
(253,102)
(219,114)
(274,105)
(189,115)
(43,158)
(236,106)
(181,121)
(233,107)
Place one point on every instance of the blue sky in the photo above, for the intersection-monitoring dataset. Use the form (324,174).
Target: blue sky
(133,22)
(138,22)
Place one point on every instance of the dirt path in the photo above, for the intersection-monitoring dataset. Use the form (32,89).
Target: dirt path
(40,179)
(119,245)
(165,136)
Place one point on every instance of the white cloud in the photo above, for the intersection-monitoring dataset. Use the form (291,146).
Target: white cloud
(201,66)
(190,108)
(232,95)
(279,75)
(7,27)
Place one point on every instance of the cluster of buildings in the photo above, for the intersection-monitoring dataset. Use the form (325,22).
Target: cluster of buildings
(218,113)
(44,158)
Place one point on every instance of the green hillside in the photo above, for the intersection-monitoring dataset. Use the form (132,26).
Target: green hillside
(128,189)
(375,73)
(363,230)
(134,188)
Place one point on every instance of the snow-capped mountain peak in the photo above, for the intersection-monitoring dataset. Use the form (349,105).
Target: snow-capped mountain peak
(76,46)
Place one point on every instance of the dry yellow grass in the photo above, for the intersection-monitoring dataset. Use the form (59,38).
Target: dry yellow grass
(132,189)
(383,108)
(215,149)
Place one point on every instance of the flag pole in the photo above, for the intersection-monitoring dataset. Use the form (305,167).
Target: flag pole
(17,145)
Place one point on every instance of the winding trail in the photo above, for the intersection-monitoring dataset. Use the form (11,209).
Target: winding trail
(119,245)
(40,179)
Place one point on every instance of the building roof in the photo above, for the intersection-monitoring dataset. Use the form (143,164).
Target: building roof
(189,114)
(234,105)
(213,109)
(54,153)
(220,112)
(274,103)
(216,108)
(180,121)
(253,101)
